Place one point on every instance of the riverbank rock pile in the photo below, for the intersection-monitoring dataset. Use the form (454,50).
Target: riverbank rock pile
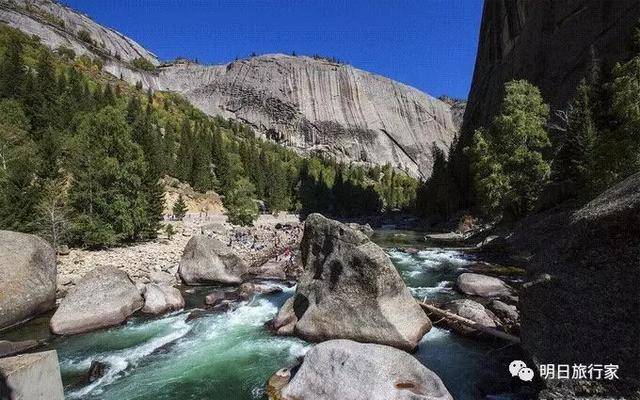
(139,261)
(344,369)
(146,262)
(27,277)
(104,297)
(350,290)
(582,301)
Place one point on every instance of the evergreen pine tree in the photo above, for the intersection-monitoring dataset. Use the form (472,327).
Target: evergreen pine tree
(107,193)
(19,165)
(184,157)
(240,203)
(179,208)
(576,157)
(12,69)
(510,171)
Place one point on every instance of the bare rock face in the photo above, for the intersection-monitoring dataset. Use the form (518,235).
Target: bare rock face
(343,369)
(27,277)
(549,43)
(208,260)
(104,297)
(349,290)
(316,105)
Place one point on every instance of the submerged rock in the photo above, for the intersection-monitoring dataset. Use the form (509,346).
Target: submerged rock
(250,288)
(208,260)
(344,369)
(27,277)
(223,297)
(349,289)
(97,370)
(482,285)
(277,382)
(159,299)
(104,297)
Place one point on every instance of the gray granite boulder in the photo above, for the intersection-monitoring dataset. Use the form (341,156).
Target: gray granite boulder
(159,299)
(482,285)
(32,376)
(104,297)
(468,309)
(208,260)
(506,312)
(27,277)
(343,369)
(350,290)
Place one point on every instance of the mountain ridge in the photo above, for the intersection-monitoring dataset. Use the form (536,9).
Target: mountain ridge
(309,104)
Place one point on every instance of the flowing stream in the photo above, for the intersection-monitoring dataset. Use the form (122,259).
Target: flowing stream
(229,356)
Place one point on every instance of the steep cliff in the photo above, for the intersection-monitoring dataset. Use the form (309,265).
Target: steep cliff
(549,43)
(313,104)
(305,103)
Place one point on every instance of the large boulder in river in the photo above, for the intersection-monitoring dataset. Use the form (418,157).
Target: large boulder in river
(482,285)
(27,277)
(208,260)
(349,290)
(343,369)
(159,299)
(104,297)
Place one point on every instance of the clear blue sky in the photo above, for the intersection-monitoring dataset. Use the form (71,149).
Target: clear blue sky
(428,44)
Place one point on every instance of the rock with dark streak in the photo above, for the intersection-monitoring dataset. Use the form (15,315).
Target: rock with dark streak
(349,290)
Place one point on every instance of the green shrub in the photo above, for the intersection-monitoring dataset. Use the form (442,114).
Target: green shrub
(143,64)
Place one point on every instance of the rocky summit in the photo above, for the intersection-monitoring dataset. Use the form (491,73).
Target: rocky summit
(311,104)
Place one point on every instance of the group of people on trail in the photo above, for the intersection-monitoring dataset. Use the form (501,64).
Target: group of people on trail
(286,254)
